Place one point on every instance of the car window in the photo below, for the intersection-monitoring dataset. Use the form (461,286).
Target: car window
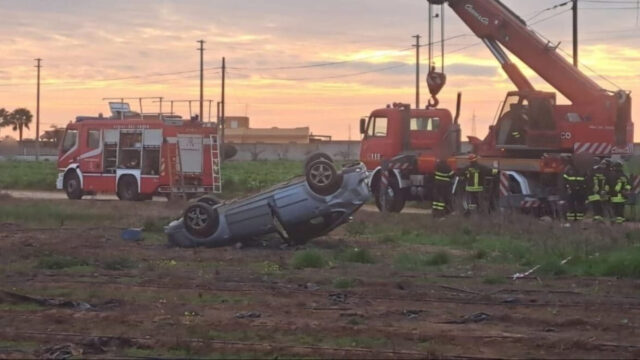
(425,124)
(93,139)
(377,126)
(69,141)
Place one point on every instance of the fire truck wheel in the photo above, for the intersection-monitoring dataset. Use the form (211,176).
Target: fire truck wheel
(394,198)
(72,185)
(322,177)
(316,156)
(128,188)
(201,220)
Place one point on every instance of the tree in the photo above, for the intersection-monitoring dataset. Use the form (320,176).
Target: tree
(18,119)
(3,116)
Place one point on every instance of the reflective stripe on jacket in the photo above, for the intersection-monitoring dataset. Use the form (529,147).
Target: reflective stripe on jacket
(472,175)
(444,176)
(622,185)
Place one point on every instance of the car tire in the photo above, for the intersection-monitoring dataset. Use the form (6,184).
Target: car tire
(395,200)
(209,200)
(314,157)
(72,185)
(201,220)
(323,178)
(128,188)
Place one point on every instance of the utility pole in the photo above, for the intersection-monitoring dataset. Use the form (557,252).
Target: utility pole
(38,60)
(222,108)
(575,33)
(201,78)
(473,124)
(417,46)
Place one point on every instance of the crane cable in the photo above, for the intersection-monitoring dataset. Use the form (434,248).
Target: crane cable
(436,80)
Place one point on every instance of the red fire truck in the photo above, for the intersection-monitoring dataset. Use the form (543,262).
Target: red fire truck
(138,155)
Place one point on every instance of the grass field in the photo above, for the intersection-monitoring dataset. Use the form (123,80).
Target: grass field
(28,175)
(381,284)
(237,177)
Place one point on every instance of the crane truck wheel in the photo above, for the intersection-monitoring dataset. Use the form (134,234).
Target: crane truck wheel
(201,220)
(394,198)
(128,188)
(323,178)
(72,185)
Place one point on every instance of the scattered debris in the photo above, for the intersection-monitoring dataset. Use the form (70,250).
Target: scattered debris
(338,297)
(517,276)
(60,352)
(473,318)
(566,260)
(76,305)
(412,314)
(459,290)
(248,315)
(352,314)
(133,234)
(511,300)
(311,286)
(79,305)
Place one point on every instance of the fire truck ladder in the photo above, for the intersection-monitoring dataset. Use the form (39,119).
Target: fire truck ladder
(175,173)
(215,163)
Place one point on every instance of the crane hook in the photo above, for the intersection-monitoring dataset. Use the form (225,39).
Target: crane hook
(433,102)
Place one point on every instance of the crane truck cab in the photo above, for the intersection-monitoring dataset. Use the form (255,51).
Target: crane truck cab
(405,144)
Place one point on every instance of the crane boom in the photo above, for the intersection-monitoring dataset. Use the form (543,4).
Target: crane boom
(597,121)
(494,22)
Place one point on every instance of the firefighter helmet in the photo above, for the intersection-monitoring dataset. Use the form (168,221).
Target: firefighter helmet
(617,165)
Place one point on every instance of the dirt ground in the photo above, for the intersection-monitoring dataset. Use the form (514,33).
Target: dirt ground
(143,299)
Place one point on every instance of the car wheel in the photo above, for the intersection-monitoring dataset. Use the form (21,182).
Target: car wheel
(72,186)
(392,200)
(201,220)
(128,188)
(314,157)
(322,177)
(209,200)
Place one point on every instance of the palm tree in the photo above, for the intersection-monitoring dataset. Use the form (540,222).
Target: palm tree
(3,117)
(18,119)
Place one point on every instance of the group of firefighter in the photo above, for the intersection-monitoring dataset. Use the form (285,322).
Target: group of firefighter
(605,187)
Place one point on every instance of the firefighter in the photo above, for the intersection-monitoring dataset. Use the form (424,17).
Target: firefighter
(575,185)
(442,189)
(599,190)
(474,175)
(619,188)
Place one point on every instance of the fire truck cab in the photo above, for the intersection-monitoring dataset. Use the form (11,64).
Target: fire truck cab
(137,155)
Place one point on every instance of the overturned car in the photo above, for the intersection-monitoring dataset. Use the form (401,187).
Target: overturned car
(298,210)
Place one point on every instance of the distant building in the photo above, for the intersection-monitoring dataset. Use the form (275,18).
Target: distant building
(237,131)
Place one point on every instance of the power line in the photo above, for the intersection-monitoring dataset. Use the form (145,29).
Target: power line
(549,9)
(333,76)
(550,17)
(317,65)
(132,77)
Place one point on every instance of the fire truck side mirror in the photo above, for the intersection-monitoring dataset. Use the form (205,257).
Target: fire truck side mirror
(363,125)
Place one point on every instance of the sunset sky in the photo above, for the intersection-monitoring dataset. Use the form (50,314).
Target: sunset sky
(96,49)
